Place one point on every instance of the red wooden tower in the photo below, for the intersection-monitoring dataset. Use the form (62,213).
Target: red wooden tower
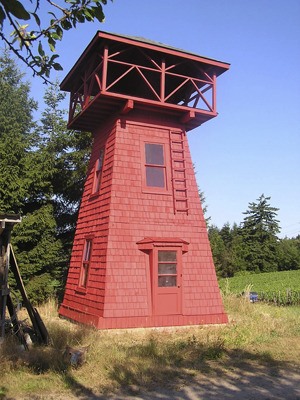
(141,255)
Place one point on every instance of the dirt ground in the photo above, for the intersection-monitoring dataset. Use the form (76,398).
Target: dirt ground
(256,383)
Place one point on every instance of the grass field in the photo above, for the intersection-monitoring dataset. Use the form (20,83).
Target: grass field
(257,334)
(281,288)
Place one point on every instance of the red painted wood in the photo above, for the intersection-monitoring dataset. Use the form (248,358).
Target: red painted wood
(158,76)
(129,223)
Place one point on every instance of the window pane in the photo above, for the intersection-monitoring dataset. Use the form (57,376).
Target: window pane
(155,177)
(84,274)
(154,154)
(166,269)
(87,253)
(166,255)
(100,160)
(165,281)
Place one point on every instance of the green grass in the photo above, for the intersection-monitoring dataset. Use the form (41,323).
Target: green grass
(258,335)
(282,288)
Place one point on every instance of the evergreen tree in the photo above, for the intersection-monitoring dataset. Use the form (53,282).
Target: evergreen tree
(39,253)
(17,137)
(259,230)
(227,249)
(68,153)
(204,206)
(220,253)
(26,185)
(289,254)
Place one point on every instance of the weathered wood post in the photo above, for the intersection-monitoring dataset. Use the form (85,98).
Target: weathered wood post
(7,222)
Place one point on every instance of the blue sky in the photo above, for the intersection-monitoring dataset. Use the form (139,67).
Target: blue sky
(253,146)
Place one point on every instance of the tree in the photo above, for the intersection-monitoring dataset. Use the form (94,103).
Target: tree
(204,206)
(259,230)
(219,251)
(68,151)
(17,138)
(289,254)
(227,249)
(39,253)
(27,39)
(26,185)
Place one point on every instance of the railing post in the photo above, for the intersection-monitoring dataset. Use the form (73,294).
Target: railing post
(214,94)
(104,70)
(163,81)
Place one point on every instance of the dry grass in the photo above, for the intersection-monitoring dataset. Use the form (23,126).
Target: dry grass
(257,334)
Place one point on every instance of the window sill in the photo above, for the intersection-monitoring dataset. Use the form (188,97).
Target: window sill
(148,190)
(94,195)
(80,290)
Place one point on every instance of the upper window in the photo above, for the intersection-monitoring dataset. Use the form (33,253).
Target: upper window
(87,251)
(155,165)
(98,172)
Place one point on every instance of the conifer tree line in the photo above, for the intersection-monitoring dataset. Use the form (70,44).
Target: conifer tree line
(253,246)
(42,172)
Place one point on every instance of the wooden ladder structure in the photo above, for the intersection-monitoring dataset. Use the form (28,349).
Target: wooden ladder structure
(8,262)
(178,167)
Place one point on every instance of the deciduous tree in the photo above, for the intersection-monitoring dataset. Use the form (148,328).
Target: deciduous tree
(38,23)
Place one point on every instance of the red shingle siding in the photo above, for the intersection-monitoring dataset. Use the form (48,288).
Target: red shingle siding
(119,289)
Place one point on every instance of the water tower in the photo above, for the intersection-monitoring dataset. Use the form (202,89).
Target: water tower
(141,255)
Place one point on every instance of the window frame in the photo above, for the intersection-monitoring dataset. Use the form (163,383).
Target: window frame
(175,262)
(166,168)
(85,264)
(98,172)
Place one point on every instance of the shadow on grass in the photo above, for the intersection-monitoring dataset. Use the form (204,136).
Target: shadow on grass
(181,370)
(198,372)
(210,373)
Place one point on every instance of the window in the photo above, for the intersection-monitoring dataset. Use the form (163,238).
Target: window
(98,172)
(85,263)
(155,165)
(167,268)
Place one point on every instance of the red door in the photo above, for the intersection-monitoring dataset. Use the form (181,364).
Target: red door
(167,281)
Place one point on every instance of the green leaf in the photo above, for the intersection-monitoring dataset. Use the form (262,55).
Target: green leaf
(98,12)
(53,57)
(88,15)
(40,50)
(57,67)
(66,25)
(51,43)
(16,9)
(51,13)
(59,32)
(37,19)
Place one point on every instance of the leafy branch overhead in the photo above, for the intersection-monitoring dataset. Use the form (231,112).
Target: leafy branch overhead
(30,30)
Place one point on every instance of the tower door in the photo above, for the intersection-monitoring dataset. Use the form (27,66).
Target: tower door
(167,273)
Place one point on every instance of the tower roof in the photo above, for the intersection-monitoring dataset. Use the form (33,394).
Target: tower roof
(101,38)
(118,73)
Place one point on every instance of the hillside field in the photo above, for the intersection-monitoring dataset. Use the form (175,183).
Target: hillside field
(281,288)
